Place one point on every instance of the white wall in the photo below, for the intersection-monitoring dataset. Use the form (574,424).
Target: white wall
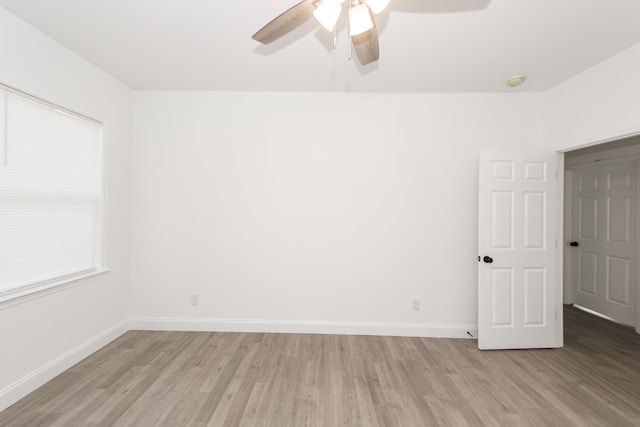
(313,212)
(602,103)
(43,335)
(331,212)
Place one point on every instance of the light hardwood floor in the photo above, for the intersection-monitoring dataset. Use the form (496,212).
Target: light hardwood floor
(229,379)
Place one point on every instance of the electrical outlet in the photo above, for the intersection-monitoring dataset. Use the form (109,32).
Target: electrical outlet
(195,299)
(415,305)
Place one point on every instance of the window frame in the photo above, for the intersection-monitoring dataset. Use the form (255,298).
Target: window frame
(60,283)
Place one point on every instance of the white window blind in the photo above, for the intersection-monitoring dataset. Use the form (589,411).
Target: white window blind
(50,194)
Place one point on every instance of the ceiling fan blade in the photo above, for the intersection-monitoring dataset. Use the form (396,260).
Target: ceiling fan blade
(286,22)
(366,44)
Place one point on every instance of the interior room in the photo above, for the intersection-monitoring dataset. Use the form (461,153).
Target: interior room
(309,197)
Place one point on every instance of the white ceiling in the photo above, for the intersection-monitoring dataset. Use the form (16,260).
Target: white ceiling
(426,45)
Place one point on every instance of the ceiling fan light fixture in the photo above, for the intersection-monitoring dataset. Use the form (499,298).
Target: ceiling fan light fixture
(359,19)
(377,6)
(327,13)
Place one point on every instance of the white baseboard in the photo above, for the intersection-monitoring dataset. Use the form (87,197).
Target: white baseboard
(303,327)
(16,391)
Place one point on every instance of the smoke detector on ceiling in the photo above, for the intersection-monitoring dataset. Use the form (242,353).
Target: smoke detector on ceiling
(516,80)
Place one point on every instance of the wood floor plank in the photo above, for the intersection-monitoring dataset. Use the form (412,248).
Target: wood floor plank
(234,379)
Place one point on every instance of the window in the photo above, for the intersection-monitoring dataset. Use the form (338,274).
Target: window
(51,197)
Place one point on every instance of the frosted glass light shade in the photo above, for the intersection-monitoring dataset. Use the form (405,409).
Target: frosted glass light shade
(377,6)
(359,19)
(327,13)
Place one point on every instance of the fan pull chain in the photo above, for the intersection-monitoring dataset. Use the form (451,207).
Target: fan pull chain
(335,37)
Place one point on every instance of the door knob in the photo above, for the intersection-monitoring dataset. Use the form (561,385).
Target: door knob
(487,259)
(574,244)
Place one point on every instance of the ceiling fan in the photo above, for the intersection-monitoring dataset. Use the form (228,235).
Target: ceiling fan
(362,26)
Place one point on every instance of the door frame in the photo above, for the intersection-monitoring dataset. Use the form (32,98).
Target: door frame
(570,170)
(611,137)
(560,175)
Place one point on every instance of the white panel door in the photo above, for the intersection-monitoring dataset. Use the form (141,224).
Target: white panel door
(603,239)
(518,204)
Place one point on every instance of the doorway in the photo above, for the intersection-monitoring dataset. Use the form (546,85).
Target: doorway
(601,226)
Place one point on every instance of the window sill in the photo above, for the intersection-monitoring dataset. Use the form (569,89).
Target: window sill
(18,296)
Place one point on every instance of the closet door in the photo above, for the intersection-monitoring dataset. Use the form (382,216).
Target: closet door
(603,239)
